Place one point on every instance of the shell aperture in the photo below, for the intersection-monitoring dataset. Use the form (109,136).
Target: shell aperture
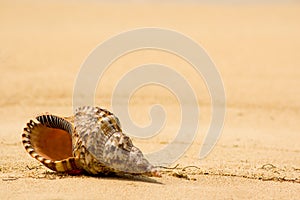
(47,138)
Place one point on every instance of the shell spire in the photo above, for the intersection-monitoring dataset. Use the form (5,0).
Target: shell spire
(98,133)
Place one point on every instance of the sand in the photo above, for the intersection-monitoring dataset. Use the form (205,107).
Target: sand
(255,48)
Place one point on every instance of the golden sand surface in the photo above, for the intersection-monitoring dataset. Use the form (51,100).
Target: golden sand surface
(256,48)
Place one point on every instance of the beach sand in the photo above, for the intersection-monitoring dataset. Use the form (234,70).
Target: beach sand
(255,48)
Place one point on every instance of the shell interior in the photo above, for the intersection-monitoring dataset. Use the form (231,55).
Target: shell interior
(48,139)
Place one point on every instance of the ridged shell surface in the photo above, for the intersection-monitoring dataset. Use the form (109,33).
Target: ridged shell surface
(99,132)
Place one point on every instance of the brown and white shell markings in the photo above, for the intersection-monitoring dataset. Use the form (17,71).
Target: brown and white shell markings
(92,143)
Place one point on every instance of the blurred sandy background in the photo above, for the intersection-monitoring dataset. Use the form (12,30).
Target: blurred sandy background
(256,48)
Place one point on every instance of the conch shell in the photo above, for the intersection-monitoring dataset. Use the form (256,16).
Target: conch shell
(90,142)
